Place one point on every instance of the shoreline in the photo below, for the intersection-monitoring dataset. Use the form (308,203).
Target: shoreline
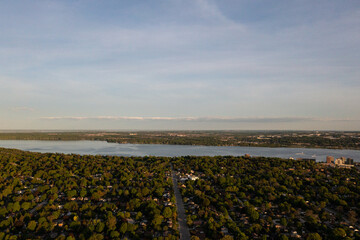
(180,144)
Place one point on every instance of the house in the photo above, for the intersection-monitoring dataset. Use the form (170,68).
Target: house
(130,220)
(224,231)
(193,178)
(59,223)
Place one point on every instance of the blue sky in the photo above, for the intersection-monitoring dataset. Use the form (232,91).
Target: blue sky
(172,64)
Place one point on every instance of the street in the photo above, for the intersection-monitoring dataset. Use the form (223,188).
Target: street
(183,228)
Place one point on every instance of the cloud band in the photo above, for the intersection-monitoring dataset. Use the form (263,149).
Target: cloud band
(202,119)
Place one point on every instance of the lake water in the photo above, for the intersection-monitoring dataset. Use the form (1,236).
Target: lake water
(105,148)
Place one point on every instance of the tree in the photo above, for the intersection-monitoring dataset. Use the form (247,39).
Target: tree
(83,192)
(111,222)
(114,234)
(352,217)
(283,222)
(227,237)
(339,233)
(253,214)
(71,193)
(16,207)
(96,196)
(100,227)
(313,236)
(167,212)
(283,237)
(31,225)
(123,228)
(138,215)
(206,202)
(145,191)
(25,205)
(157,220)
(96,236)
(3,211)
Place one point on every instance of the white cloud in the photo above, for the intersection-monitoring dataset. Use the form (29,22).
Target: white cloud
(202,119)
(21,109)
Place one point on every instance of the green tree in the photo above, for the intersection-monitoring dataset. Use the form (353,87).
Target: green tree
(16,207)
(339,233)
(83,193)
(283,222)
(206,202)
(157,220)
(114,234)
(25,205)
(313,236)
(71,193)
(167,213)
(123,228)
(3,211)
(253,214)
(96,236)
(227,237)
(100,227)
(31,225)
(111,222)
(352,217)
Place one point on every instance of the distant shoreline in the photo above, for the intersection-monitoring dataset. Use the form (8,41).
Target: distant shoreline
(150,143)
(271,139)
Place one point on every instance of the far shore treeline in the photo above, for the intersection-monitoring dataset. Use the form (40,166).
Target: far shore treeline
(302,139)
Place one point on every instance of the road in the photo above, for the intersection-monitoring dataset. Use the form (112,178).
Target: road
(38,207)
(183,228)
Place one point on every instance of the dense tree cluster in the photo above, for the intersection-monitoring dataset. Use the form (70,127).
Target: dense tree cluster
(85,197)
(60,196)
(260,198)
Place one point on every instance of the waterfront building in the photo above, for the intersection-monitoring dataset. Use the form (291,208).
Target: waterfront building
(329,159)
(349,161)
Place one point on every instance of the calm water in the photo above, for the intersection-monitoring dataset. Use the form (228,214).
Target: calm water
(104,148)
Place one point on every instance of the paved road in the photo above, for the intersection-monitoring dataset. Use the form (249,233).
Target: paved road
(37,207)
(184,230)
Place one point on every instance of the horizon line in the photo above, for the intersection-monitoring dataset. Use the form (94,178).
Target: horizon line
(202,119)
(172,130)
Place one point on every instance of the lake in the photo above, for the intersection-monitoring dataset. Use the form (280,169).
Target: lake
(105,148)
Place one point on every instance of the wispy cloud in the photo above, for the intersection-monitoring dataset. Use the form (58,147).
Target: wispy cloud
(203,119)
(115,60)
(22,109)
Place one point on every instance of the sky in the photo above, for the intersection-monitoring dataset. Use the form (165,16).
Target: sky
(180,65)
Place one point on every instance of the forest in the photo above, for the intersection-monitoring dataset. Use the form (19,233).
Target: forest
(59,196)
(263,198)
(84,197)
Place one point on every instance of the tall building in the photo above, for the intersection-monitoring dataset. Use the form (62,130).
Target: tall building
(339,161)
(329,159)
(350,161)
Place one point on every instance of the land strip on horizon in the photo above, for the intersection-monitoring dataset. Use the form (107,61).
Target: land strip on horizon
(298,139)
